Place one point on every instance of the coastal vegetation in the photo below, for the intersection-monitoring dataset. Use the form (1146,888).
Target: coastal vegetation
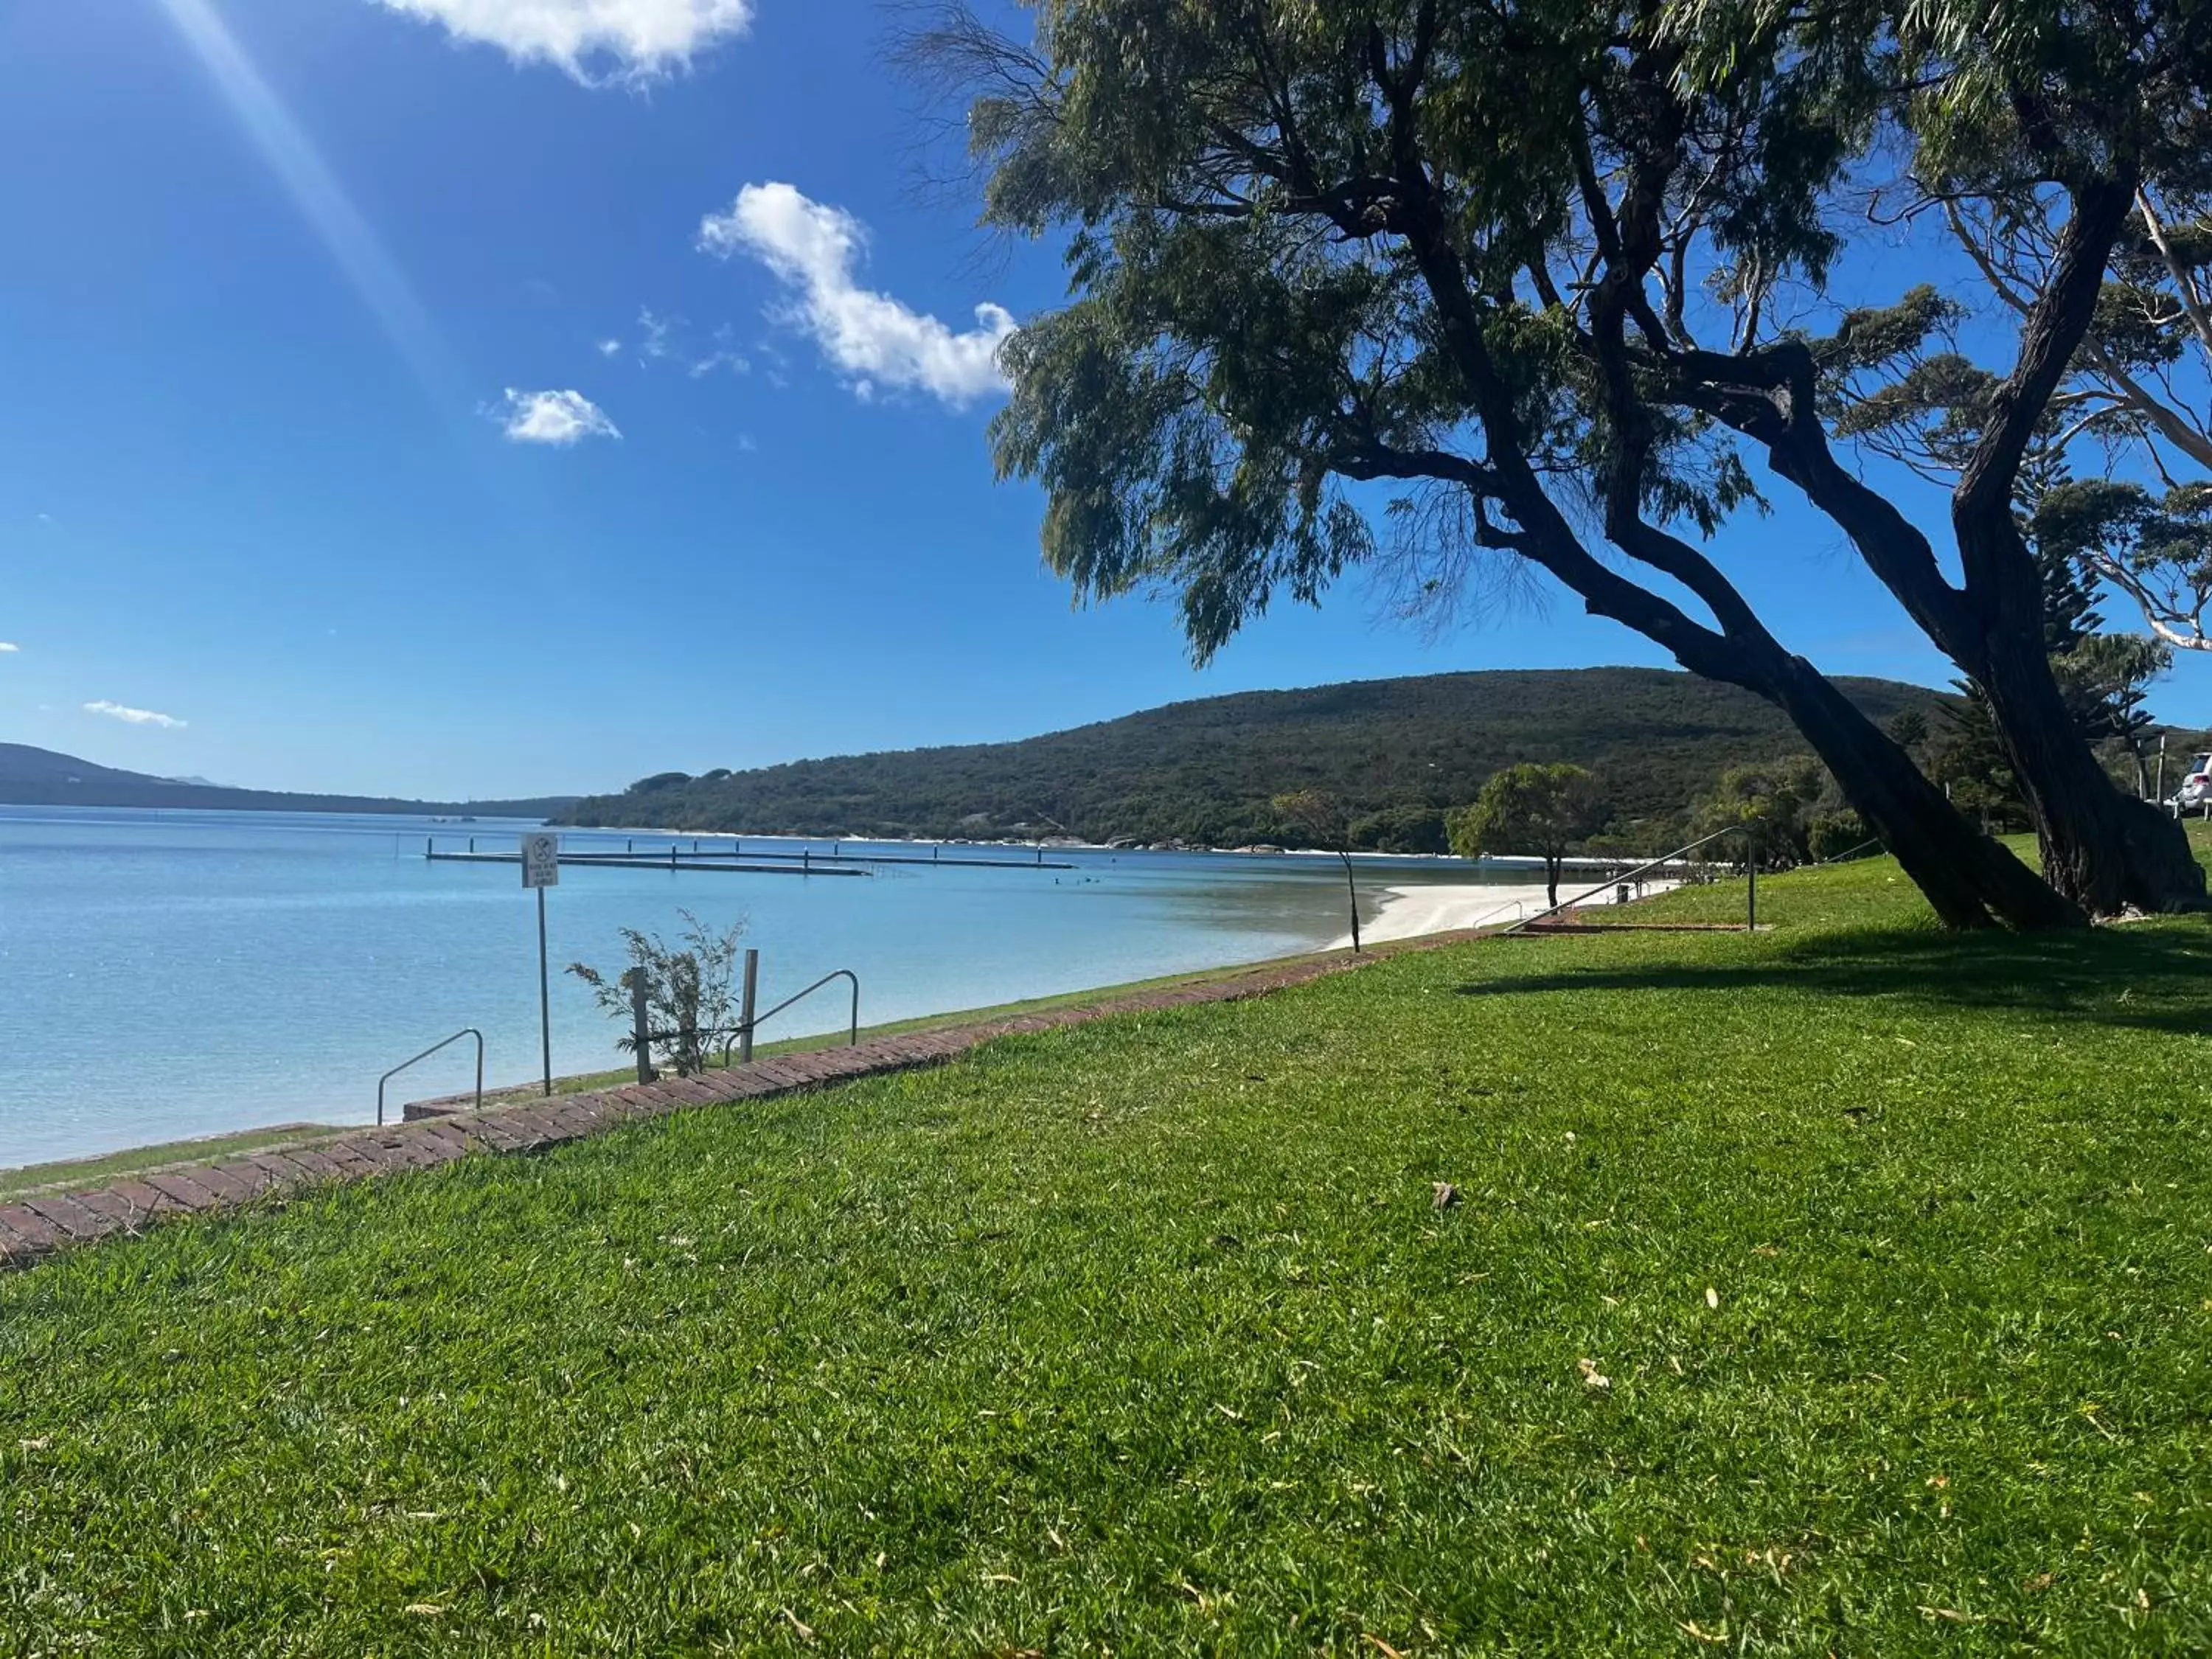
(689,1000)
(1399,754)
(1578,278)
(1836,1288)
(1531,809)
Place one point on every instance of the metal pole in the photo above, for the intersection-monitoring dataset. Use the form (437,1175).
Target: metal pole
(2162,766)
(1352,887)
(641,1026)
(746,1007)
(544,996)
(1751,887)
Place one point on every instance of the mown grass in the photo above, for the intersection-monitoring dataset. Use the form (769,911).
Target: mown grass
(70,1173)
(585,1081)
(1891,1251)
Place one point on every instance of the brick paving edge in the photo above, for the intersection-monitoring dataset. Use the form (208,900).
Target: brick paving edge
(36,1227)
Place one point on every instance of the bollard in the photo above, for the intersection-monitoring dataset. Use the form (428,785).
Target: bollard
(745,1008)
(640,1028)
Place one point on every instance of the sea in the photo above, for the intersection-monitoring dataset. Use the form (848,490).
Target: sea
(169,975)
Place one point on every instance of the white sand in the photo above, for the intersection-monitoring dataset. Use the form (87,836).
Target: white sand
(1410,912)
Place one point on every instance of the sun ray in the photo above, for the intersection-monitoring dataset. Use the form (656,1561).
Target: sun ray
(316,190)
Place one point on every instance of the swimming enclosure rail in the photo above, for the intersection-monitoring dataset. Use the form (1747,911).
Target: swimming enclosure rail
(759,861)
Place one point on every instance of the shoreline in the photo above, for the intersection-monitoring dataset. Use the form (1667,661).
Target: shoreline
(1413,911)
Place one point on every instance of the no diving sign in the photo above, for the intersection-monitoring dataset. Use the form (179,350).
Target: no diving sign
(541,860)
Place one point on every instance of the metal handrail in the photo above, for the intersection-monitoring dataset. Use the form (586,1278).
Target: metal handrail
(1846,857)
(466,1030)
(1631,875)
(853,1035)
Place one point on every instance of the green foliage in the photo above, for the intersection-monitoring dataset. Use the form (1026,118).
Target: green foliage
(1416,830)
(1312,818)
(1545,811)
(1254,324)
(1394,752)
(1531,809)
(1778,806)
(688,1000)
(1147,1334)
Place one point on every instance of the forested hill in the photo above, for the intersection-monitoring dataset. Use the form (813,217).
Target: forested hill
(41,777)
(1397,751)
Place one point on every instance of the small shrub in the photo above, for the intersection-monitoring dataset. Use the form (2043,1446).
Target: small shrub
(689,1001)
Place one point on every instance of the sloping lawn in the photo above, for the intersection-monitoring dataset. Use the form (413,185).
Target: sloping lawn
(1843,1288)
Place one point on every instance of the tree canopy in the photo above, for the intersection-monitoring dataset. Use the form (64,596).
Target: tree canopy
(1540,811)
(1529,268)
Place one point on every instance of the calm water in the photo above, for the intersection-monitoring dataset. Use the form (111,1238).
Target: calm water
(176,974)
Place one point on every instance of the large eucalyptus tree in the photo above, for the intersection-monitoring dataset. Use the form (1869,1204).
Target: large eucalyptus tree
(1521,262)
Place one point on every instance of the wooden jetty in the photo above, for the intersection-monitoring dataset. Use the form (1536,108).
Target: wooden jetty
(760,860)
(817,861)
(641,861)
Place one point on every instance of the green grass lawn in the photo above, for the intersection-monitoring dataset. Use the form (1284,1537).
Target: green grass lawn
(1839,1289)
(70,1175)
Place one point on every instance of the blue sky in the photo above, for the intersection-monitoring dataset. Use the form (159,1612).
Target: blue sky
(403,397)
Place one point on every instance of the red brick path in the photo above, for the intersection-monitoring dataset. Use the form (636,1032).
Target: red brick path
(31,1228)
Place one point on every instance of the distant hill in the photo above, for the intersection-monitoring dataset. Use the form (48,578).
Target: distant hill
(41,777)
(1398,751)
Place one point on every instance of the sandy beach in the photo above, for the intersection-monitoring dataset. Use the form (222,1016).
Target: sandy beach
(1410,911)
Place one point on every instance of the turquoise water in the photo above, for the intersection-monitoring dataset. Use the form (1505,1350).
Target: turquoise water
(168,975)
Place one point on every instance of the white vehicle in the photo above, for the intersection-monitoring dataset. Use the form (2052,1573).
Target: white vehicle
(2196,785)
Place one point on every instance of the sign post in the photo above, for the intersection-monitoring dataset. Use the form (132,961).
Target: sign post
(541,869)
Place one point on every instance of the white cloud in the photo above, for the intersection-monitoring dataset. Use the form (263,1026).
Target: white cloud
(129,716)
(609,347)
(659,334)
(635,39)
(875,339)
(560,418)
(9,647)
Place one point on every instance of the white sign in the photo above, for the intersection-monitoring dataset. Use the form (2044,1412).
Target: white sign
(541,860)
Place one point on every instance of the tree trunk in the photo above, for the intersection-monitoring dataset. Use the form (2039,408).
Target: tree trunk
(2101,849)
(1552,882)
(1970,880)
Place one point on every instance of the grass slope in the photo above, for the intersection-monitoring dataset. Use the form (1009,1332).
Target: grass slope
(1890,1248)
(1397,751)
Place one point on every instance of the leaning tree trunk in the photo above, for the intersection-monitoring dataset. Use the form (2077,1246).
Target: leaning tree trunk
(1970,880)
(2101,850)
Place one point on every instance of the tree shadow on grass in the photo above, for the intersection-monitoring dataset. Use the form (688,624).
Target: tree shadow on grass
(2150,978)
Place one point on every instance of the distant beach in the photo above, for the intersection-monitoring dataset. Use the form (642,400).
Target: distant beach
(1444,907)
